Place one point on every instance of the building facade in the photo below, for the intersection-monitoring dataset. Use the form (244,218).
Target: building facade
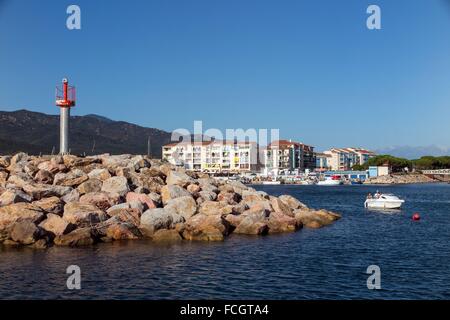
(213,156)
(322,162)
(288,156)
(346,158)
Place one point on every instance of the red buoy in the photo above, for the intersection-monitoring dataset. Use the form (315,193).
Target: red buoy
(416,217)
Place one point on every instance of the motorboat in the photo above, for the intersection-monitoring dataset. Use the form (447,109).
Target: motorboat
(271,182)
(384,201)
(330,181)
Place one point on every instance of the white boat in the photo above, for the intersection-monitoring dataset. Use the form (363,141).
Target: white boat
(330,181)
(385,201)
(271,182)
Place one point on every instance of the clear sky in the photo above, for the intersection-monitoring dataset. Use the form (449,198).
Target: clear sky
(310,68)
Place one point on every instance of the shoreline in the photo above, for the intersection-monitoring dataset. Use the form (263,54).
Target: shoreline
(392,179)
(79,201)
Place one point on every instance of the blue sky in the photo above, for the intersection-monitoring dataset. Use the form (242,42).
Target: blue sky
(310,68)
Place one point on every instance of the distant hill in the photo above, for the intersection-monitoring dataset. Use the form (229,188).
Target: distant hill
(409,152)
(35,133)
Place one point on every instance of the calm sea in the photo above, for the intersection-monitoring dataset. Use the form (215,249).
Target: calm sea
(329,263)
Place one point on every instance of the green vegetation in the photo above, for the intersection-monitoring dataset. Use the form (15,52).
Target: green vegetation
(430,162)
(398,164)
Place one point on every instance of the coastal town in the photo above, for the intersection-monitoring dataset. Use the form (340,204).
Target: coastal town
(281,161)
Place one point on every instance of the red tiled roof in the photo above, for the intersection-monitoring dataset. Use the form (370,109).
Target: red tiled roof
(287,143)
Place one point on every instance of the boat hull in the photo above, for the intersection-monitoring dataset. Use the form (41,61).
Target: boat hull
(329,183)
(271,182)
(390,204)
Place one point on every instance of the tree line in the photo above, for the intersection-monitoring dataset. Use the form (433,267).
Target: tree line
(399,164)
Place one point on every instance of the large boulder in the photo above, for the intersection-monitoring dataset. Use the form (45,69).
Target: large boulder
(256,199)
(5,161)
(126,214)
(26,232)
(178,178)
(20,157)
(14,196)
(53,166)
(207,182)
(165,235)
(44,176)
(234,219)
(121,160)
(40,190)
(153,184)
(117,229)
(83,214)
(229,197)
(3,178)
(169,192)
(213,208)
(72,161)
(102,200)
(315,218)
(99,174)
(152,172)
(138,162)
(237,186)
(166,169)
(292,202)
(184,206)
(72,196)
(70,179)
(158,218)
(19,179)
(208,195)
(193,188)
(279,222)
(253,221)
(117,185)
(280,207)
(142,198)
(20,211)
(79,237)
(56,225)
(206,228)
(50,205)
(250,226)
(91,185)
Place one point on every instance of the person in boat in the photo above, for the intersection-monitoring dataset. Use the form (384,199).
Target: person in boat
(369,196)
(377,195)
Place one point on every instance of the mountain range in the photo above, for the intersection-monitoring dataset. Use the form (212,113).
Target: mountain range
(38,133)
(411,152)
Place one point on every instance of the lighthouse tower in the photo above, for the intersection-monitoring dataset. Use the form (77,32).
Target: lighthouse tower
(65,99)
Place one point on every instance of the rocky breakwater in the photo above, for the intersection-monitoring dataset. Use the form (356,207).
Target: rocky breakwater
(400,179)
(73,201)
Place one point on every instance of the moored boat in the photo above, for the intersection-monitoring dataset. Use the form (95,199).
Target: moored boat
(384,201)
(330,181)
(271,182)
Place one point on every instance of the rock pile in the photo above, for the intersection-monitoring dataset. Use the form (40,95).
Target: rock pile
(74,201)
(400,179)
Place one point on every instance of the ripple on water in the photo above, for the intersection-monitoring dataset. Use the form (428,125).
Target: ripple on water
(329,263)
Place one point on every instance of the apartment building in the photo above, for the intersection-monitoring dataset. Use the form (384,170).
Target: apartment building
(346,158)
(290,156)
(322,162)
(213,156)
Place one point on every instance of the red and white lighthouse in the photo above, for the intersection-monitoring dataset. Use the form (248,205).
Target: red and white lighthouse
(65,99)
